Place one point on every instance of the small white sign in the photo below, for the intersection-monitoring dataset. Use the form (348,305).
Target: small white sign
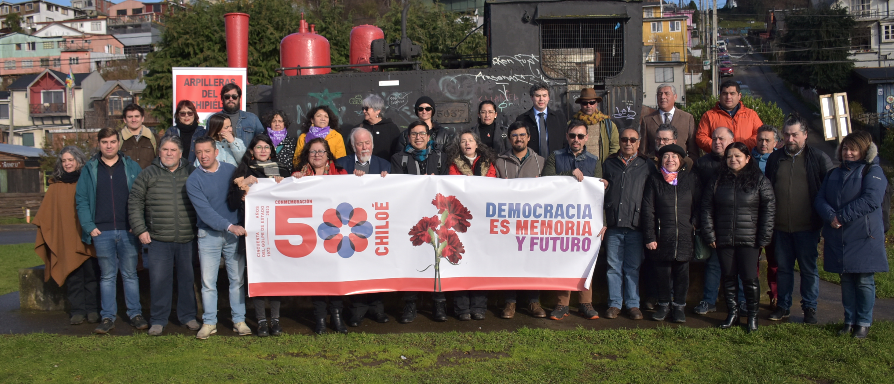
(389,83)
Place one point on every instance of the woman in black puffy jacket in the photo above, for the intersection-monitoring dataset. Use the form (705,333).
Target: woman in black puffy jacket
(737,212)
(669,216)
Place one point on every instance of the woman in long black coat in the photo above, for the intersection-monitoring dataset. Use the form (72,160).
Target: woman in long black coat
(669,216)
(737,216)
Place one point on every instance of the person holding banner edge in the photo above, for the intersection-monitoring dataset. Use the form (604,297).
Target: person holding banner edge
(258,163)
(575,161)
(520,161)
(317,160)
(469,157)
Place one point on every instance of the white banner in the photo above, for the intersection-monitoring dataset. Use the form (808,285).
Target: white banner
(341,235)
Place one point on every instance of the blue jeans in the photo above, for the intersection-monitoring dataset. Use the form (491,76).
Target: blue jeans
(161,261)
(624,255)
(116,251)
(212,245)
(712,278)
(800,247)
(858,297)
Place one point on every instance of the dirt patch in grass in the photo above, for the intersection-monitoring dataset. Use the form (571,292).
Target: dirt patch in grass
(455,358)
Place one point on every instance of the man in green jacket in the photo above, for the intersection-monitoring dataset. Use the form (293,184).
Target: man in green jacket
(602,133)
(163,218)
(101,202)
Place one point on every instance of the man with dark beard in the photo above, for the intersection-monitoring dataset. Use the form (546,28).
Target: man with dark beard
(245,124)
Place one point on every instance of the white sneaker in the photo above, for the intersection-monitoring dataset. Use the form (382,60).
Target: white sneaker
(241,329)
(156,330)
(207,330)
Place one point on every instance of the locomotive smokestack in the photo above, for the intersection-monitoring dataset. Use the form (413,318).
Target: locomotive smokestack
(237,39)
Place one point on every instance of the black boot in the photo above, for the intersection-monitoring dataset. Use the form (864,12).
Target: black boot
(338,324)
(440,313)
(320,325)
(752,290)
(730,291)
(409,313)
(263,330)
(661,311)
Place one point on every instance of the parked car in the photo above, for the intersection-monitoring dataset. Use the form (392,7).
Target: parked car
(726,63)
(746,90)
(726,71)
(723,56)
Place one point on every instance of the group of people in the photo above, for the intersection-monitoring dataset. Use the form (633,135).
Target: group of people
(181,196)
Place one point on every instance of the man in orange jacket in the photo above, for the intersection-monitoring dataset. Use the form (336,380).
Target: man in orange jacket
(731,113)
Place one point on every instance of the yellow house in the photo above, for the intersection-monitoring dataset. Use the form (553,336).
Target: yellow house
(667,34)
(665,53)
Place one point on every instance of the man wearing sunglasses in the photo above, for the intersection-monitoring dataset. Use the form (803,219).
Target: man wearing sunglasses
(603,135)
(548,124)
(577,162)
(666,113)
(628,171)
(245,124)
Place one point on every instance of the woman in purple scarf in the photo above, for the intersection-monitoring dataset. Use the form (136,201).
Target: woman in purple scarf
(321,122)
(285,140)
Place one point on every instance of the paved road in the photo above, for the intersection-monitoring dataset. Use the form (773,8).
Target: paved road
(767,85)
(17,236)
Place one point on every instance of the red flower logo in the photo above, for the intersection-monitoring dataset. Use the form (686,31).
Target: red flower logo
(441,231)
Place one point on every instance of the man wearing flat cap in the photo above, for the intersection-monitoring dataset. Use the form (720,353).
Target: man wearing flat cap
(603,134)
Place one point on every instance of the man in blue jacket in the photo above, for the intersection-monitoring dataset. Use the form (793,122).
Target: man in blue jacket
(245,124)
(101,200)
(363,161)
(218,236)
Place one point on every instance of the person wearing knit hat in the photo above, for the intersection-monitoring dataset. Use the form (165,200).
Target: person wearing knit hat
(425,110)
(671,198)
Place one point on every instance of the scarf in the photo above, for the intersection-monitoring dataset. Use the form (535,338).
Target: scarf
(70,177)
(188,130)
(316,132)
(308,170)
(669,177)
(593,119)
(276,136)
(419,154)
(268,168)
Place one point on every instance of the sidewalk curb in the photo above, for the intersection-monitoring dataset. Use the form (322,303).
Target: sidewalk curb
(17,227)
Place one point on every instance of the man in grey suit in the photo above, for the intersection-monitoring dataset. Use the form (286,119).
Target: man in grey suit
(668,114)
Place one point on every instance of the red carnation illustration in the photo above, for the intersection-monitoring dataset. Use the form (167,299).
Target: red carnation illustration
(441,231)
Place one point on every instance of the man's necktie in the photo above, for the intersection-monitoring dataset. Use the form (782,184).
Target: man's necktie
(544,147)
(667,118)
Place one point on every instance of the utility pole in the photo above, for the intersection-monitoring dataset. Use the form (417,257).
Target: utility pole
(715,76)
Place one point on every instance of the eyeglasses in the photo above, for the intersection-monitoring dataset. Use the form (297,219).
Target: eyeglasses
(365,108)
(426,109)
(185,114)
(317,153)
(663,140)
(414,134)
(488,112)
(518,135)
(263,148)
(628,139)
(230,97)
(579,136)
(590,102)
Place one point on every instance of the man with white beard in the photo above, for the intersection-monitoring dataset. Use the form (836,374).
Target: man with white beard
(363,162)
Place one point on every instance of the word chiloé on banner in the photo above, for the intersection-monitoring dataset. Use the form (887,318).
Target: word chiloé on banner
(342,235)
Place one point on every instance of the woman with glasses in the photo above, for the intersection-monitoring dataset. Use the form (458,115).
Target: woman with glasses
(320,123)
(491,135)
(425,111)
(258,163)
(738,210)
(384,132)
(187,128)
(317,160)
(284,140)
(230,148)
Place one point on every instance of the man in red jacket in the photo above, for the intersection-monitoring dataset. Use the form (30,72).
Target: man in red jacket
(731,113)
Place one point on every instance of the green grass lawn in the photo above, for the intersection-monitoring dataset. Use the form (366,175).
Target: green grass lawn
(791,353)
(13,258)
(6,220)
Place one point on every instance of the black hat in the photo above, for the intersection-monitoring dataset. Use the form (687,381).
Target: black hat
(672,148)
(425,100)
